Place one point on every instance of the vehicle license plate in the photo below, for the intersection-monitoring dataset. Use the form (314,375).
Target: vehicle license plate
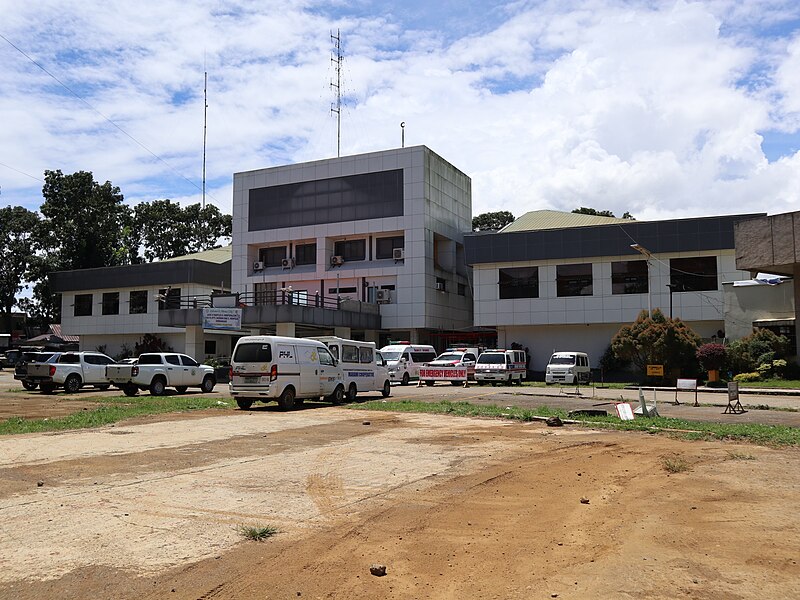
(252,379)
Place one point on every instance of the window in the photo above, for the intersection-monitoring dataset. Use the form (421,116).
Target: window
(384,247)
(574,280)
(697,274)
(172,359)
(349,353)
(441,284)
(462,289)
(138,302)
(521,282)
(69,359)
(111,303)
(188,361)
(629,277)
(272,257)
(365,355)
(150,359)
(334,351)
(325,357)
(210,347)
(83,305)
(171,298)
(351,250)
(305,254)
(342,290)
(253,353)
(421,357)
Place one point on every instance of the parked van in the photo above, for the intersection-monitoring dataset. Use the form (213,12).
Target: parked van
(500,366)
(404,360)
(286,369)
(568,367)
(363,367)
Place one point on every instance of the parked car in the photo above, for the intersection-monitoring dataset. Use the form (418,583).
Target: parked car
(156,371)
(21,368)
(72,370)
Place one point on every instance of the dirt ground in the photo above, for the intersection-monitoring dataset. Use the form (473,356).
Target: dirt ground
(454,507)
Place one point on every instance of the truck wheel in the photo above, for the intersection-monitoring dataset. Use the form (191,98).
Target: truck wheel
(244,403)
(47,388)
(130,389)
(29,385)
(208,384)
(338,395)
(387,389)
(352,392)
(286,401)
(181,389)
(405,379)
(72,384)
(158,386)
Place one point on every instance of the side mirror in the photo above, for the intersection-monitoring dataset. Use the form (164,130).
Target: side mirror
(335,362)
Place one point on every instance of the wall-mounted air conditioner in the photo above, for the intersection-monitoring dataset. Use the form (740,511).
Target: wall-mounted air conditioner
(440,286)
(258,266)
(337,261)
(287,263)
(398,253)
(383,297)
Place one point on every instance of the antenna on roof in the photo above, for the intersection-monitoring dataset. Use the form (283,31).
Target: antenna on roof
(205,129)
(337,59)
(402,134)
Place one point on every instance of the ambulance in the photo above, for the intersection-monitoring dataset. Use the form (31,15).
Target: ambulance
(405,359)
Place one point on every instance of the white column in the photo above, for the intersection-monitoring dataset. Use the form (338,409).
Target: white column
(285,329)
(195,343)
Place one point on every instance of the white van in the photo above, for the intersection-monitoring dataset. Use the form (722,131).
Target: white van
(268,367)
(404,360)
(363,367)
(500,366)
(568,367)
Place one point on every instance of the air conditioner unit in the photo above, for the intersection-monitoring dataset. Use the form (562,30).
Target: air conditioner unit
(258,266)
(337,261)
(398,253)
(383,296)
(440,286)
(287,263)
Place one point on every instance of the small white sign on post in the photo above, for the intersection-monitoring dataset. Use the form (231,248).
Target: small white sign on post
(624,411)
(688,385)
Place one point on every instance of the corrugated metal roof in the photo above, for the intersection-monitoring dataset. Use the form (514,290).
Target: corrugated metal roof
(216,255)
(556,219)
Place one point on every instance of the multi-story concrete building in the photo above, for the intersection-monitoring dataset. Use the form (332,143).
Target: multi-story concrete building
(563,281)
(385,227)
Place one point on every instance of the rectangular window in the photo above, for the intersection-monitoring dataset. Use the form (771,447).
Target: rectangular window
(83,305)
(384,247)
(342,290)
(629,277)
(138,302)
(111,303)
(365,355)
(169,298)
(305,254)
(462,289)
(520,282)
(351,250)
(210,347)
(574,280)
(697,274)
(349,353)
(441,284)
(272,257)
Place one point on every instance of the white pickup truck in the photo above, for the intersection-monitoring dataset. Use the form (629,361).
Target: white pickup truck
(71,371)
(157,371)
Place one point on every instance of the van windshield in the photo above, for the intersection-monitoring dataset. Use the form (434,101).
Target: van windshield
(251,352)
(565,360)
(391,355)
(488,358)
(450,356)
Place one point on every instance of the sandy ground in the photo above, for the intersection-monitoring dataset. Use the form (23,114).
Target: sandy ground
(454,507)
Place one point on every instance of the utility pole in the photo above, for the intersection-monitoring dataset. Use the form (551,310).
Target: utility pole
(337,59)
(205,129)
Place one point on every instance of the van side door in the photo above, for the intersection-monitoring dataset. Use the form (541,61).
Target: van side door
(308,363)
(329,373)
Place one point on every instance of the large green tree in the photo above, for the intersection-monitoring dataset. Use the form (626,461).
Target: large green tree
(17,245)
(492,221)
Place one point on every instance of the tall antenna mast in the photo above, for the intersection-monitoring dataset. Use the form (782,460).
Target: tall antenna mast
(205,129)
(337,59)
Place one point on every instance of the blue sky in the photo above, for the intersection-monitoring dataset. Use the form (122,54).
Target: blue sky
(663,109)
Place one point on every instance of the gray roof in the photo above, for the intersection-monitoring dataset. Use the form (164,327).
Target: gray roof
(537,220)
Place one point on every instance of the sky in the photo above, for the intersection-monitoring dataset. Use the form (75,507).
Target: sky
(663,109)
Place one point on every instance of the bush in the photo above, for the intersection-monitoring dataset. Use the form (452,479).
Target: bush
(610,362)
(711,356)
(151,343)
(760,347)
(747,377)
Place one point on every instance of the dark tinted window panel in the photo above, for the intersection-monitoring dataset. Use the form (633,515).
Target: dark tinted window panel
(522,282)
(138,302)
(305,254)
(169,298)
(111,303)
(253,352)
(351,250)
(697,274)
(351,198)
(629,277)
(272,257)
(384,247)
(83,305)
(574,280)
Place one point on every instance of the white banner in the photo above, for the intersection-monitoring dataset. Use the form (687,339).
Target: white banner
(443,373)
(222,318)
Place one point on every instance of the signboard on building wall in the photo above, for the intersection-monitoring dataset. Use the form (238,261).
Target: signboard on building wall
(222,318)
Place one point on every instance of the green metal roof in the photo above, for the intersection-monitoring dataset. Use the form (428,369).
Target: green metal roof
(216,255)
(556,219)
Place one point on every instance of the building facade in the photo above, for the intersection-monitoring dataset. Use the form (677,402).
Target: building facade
(564,282)
(383,228)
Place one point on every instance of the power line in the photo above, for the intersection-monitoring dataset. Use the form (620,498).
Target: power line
(121,130)
(21,172)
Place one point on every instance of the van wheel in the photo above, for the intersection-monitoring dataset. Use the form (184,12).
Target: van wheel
(286,401)
(244,403)
(158,386)
(405,379)
(387,389)
(352,392)
(338,395)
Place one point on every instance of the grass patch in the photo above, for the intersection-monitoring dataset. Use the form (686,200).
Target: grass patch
(764,435)
(674,464)
(772,383)
(256,533)
(110,410)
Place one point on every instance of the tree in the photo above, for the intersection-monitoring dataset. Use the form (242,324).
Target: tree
(17,225)
(657,340)
(711,356)
(492,221)
(760,347)
(167,230)
(600,213)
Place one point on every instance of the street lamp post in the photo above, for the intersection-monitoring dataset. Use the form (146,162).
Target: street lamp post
(648,255)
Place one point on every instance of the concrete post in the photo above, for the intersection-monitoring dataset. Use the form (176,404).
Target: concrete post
(342,332)
(195,343)
(285,329)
